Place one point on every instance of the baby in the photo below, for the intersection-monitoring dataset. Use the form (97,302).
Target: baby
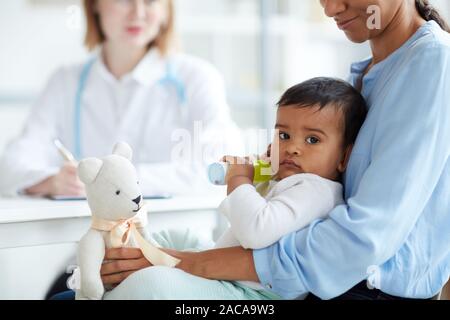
(317,125)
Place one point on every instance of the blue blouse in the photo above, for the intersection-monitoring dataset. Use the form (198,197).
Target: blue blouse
(395,228)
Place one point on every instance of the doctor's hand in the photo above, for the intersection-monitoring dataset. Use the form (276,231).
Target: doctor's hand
(65,183)
(120,263)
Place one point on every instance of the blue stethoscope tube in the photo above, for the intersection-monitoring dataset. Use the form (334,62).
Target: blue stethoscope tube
(170,78)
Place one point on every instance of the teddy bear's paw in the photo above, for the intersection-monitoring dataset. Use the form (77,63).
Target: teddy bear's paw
(92,290)
(80,296)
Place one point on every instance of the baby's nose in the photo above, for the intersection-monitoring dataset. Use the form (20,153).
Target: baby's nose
(137,200)
(294,149)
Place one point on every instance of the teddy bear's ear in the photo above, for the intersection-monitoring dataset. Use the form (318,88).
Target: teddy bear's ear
(123,149)
(88,170)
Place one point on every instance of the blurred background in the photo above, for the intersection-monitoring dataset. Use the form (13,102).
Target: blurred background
(261,47)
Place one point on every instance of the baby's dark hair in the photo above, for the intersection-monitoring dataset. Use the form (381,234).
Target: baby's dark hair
(324,92)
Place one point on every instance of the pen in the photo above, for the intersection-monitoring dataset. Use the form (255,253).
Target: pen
(66,154)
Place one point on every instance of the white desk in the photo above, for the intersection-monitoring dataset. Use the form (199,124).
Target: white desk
(38,238)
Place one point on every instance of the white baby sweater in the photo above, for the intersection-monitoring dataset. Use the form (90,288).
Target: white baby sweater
(260,216)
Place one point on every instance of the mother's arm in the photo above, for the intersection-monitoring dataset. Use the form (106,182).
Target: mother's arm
(235,263)
(222,264)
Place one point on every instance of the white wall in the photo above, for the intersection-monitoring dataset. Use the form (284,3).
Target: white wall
(11,120)
(34,41)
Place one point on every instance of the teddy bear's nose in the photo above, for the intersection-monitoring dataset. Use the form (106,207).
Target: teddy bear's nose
(137,200)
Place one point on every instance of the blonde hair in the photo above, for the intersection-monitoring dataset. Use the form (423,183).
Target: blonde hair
(95,36)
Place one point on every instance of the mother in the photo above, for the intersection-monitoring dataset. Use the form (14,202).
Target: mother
(394,228)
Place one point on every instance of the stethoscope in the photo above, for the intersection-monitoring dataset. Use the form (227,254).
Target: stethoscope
(170,78)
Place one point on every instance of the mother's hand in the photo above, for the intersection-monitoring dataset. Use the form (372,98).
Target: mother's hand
(121,263)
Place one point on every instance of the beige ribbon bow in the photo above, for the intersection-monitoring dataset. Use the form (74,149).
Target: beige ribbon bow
(120,232)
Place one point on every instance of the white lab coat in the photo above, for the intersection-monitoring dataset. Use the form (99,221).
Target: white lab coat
(138,110)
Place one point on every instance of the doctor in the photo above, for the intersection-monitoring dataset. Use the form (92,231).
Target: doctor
(134,89)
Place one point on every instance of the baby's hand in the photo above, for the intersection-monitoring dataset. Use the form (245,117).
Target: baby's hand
(239,167)
(266,156)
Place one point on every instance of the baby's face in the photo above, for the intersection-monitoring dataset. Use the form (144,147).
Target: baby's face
(310,141)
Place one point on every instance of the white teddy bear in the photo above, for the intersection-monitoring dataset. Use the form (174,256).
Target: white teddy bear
(119,217)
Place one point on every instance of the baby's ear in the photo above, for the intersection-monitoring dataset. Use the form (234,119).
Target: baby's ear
(88,170)
(123,149)
(345,158)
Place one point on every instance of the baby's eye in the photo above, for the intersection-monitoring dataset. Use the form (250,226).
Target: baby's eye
(284,136)
(118,192)
(138,182)
(312,140)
